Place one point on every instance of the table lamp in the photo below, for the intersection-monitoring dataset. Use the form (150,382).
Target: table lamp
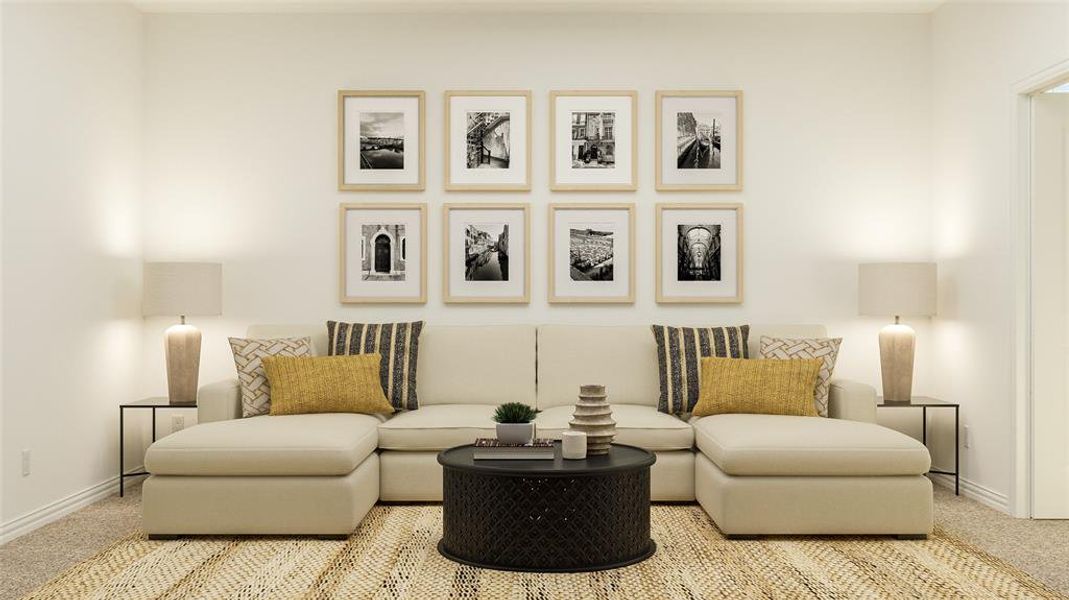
(181,289)
(898,290)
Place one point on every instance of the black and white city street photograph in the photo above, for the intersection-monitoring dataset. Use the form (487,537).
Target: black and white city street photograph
(382,140)
(488,140)
(593,140)
(383,252)
(486,252)
(591,253)
(699,253)
(697,140)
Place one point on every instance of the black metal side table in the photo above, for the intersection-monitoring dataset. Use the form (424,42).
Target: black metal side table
(924,403)
(547,515)
(152,404)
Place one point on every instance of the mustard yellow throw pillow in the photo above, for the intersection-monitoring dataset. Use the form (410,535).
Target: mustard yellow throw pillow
(757,386)
(322,384)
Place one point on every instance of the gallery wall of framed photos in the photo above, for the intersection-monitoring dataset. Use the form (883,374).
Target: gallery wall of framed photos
(593,147)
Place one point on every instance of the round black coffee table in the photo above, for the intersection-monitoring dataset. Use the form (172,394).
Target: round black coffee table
(547,515)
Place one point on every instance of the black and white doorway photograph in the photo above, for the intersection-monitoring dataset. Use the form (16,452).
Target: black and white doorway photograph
(383,253)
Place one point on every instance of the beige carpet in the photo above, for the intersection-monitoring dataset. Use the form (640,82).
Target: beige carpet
(393,555)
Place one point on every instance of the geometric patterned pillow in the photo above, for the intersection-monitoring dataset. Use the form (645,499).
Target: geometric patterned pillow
(396,343)
(680,351)
(255,391)
(826,349)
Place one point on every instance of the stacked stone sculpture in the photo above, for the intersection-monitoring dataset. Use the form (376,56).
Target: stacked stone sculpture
(593,416)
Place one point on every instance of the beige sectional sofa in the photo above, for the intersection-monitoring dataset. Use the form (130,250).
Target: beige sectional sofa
(320,474)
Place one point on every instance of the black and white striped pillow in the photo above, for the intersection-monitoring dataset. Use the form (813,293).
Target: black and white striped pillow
(680,351)
(398,343)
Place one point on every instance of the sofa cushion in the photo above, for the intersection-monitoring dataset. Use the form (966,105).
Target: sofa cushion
(622,358)
(397,347)
(437,427)
(483,364)
(806,446)
(641,426)
(319,444)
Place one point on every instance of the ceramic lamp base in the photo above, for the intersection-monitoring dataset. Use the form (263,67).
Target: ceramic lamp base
(897,342)
(182,346)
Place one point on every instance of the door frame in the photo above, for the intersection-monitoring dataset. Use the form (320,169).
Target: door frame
(1022,210)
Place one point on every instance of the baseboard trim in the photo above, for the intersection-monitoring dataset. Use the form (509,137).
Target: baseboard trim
(975,491)
(21,525)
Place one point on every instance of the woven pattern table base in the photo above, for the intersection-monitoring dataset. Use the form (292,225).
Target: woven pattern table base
(550,523)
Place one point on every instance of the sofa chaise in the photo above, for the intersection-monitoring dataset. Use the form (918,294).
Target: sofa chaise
(753,474)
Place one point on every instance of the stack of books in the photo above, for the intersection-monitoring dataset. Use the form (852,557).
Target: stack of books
(491,449)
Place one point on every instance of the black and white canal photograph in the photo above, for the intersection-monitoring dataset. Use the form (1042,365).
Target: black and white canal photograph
(486,252)
(590,252)
(697,140)
(699,252)
(593,140)
(488,140)
(382,140)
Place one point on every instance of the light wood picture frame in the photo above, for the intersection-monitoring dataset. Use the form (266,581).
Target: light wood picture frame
(608,231)
(602,141)
(714,121)
(678,225)
(374,258)
(477,229)
(367,163)
(507,115)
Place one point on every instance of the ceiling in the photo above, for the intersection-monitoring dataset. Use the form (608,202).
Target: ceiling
(538,6)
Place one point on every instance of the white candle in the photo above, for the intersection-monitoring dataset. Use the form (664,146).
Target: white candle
(573,444)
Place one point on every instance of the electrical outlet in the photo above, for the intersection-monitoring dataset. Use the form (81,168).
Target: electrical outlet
(178,423)
(967,435)
(25,463)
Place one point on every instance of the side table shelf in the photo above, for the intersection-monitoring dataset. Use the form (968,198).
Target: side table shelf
(152,404)
(924,403)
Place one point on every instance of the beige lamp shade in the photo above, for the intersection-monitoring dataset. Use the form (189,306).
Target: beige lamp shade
(182,288)
(896,289)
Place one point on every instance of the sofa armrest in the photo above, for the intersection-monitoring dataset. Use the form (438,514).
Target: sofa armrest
(219,401)
(852,401)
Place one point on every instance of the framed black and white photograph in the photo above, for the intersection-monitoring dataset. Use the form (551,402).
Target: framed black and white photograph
(592,254)
(487,253)
(699,140)
(488,141)
(593,140)
(380,140)
(699,253)
(383,253)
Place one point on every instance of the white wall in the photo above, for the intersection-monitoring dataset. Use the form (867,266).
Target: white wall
(978,52)
(241,131)
(71,245)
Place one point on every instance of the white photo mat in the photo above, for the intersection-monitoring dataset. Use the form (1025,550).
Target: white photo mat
(517,175)
(409,108)
(617,219)
(725,108)
(729,286)
(488,217)
(405,278)
(621,176)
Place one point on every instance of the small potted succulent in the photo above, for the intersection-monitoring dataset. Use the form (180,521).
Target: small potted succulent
(514,423)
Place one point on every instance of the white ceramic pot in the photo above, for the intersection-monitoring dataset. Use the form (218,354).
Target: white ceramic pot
(515,433)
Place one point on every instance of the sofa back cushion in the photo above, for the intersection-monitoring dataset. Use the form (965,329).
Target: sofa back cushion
(482,364)
(477,364)
(623,358)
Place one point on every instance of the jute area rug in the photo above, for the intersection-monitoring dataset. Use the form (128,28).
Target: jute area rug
(393,555)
